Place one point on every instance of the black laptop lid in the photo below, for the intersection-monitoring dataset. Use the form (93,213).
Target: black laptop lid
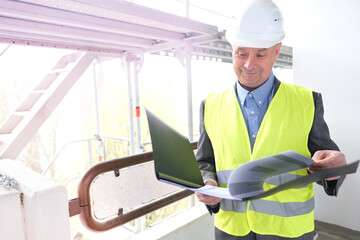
(174,158)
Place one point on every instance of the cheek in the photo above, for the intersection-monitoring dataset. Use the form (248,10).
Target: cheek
(237,63)
(267,68)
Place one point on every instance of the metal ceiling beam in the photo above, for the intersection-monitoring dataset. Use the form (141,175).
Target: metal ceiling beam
(129,12)
(104,26)
(41,41)
(36,13)
(179,44)
(26,27)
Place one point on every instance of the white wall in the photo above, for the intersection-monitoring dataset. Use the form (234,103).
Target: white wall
(325,35)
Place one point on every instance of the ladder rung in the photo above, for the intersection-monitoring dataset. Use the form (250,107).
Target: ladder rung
(30,101)
(10,124)
(50,78)
(46,82)
(65,60)
(71,58)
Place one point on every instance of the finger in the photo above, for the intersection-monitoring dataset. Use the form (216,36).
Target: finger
(208,200)
(200,196)
(316,155)
(321,154)
(211,200)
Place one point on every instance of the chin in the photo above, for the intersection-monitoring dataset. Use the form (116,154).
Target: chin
(251,80)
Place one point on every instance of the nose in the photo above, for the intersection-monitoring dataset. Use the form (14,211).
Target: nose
(250,62)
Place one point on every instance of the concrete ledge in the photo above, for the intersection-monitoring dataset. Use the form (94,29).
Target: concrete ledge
(44,209)
(11,222)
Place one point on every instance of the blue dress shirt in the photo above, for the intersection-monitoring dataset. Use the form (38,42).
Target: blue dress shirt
(254,105)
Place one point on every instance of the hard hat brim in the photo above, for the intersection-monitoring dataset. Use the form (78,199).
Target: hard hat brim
(255,42)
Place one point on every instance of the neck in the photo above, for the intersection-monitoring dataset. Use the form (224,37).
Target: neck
(250,89)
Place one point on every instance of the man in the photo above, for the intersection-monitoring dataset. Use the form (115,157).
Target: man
(259,117)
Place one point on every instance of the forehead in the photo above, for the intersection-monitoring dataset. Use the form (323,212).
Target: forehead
(247,49)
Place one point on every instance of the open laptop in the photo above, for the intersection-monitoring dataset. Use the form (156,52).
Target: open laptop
(174,157)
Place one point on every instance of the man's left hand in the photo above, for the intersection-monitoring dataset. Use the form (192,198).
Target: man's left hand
(327,159)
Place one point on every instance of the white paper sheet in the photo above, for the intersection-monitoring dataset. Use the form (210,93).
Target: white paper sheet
(246,182)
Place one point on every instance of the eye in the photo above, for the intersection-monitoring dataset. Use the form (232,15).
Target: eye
(260,55)
(242,54)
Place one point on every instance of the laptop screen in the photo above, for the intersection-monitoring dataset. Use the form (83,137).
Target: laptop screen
(174,157)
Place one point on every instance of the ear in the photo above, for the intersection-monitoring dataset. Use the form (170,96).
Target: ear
(277,50)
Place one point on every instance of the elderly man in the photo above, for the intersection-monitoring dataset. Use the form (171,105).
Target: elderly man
(258,117)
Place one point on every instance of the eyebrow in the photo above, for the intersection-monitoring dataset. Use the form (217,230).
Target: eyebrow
(262,50)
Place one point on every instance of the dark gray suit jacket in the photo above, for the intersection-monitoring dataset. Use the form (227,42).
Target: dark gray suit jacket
(319,139)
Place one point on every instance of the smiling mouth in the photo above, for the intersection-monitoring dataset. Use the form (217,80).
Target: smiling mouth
(249,73)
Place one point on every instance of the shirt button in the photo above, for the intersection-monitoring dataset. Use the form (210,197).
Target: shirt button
(250,95)
(259,102)
(253,136)
(252,112)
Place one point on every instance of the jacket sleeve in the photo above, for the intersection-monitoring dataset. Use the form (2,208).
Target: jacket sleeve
(205,156)
(319,139)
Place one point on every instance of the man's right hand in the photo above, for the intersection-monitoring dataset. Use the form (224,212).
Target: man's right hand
(208,200)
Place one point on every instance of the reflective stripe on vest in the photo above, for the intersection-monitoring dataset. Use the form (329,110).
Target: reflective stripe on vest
(286,209)
(286,126)
(235,206)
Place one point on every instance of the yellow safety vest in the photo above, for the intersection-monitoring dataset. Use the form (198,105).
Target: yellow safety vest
(285,126)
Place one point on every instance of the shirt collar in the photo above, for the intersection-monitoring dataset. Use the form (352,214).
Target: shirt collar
(260,94)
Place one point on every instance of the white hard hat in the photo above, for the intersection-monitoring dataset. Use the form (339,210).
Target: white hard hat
(259,26)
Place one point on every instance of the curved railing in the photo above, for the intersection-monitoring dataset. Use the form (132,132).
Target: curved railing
(82,205)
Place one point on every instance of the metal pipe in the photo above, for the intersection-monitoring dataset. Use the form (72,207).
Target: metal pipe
(189,102)
(137,105)
(187,8)
(115,137)
(97,119)
(131,118)
(140,223)
(89,153)
(189,93)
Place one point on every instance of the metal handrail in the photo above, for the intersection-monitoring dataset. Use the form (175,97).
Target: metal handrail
(62,148)
(117,138)
(83,206)
(96,138)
